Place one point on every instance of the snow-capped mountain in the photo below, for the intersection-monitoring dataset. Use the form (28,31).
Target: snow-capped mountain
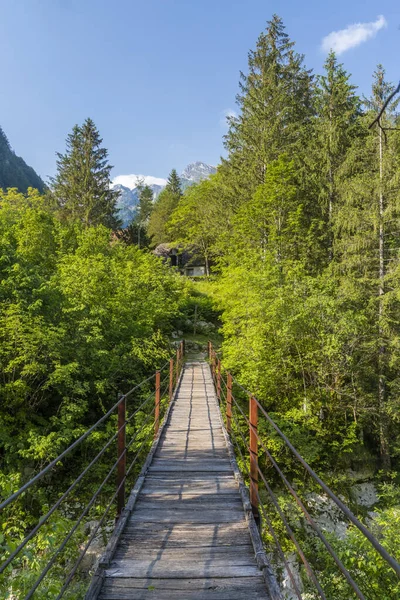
(197,171)
(127,185)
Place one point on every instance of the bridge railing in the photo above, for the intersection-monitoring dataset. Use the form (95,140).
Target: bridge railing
(137,415)
(245,418)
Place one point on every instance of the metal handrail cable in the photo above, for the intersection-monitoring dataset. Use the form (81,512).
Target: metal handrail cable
(385,555)
(303,558)
(271,529)
(317,530)
(58,503)
(80,518)
(85,435)
(80,558)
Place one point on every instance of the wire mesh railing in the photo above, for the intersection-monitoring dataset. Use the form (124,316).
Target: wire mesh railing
(287,523)
(136,418)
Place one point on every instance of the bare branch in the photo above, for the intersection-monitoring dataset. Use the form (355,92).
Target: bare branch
(389,99)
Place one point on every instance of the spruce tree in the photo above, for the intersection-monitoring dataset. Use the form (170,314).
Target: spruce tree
(82,184)
(145,207)
(366,247)
(336,125)
(174,183)
(275,103)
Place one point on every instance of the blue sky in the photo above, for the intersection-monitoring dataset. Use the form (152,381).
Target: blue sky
(157,76)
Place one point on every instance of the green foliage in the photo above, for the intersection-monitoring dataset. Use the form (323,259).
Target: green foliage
(164,207)
(82,317)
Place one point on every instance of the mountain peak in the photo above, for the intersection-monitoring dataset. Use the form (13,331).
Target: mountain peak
(127,185)
(197,171)
(132,181)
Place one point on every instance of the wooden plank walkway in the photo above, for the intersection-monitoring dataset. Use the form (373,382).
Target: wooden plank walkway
(187,537)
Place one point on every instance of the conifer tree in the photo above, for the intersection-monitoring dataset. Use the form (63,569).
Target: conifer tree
(174,183)
(82,184)
(366,243)
(336,124)
(275,103)
(145,207)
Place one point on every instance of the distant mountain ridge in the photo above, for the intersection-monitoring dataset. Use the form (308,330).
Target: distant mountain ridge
(127,186)
(14,172)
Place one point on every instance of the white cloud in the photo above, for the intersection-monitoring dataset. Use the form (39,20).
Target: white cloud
(131,181)
(228,112)
(352,36)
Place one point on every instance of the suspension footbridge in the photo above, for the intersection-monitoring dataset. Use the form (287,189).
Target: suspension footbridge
(197,522)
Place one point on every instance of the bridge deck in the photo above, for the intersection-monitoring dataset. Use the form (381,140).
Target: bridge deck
(187,537)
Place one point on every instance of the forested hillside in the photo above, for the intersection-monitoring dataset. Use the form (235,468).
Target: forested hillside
(14,172)
(301,225)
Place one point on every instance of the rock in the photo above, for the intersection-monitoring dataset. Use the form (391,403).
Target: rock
(364,494)
(97,546)
(370,520)
(93,554)
(289,592)
(175,335)
(204,327)
(327,515)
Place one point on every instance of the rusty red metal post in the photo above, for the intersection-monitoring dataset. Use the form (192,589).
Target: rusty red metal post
(219,380)
(157,401)
(229,403)
(253,418)
(209,351)
(171,378)
(121,467)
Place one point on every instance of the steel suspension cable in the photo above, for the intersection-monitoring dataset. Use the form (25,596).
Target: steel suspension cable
(57,504)
(80,558)
(43,472)
(317,530)
(385,555)
(272,531)
(80,519)
(378,547)
(301,554)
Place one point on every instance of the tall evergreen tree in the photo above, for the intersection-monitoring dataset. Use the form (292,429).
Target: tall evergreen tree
(174,183)
(275,103)
(82,184)
(367,242)
(145,207)
(336,125)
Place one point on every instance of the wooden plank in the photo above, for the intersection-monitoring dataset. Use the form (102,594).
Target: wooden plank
(171,516)
(169,570)
(129,550)
(188,584)
(193,503)
(201,565)
(208,594)
(189,468)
